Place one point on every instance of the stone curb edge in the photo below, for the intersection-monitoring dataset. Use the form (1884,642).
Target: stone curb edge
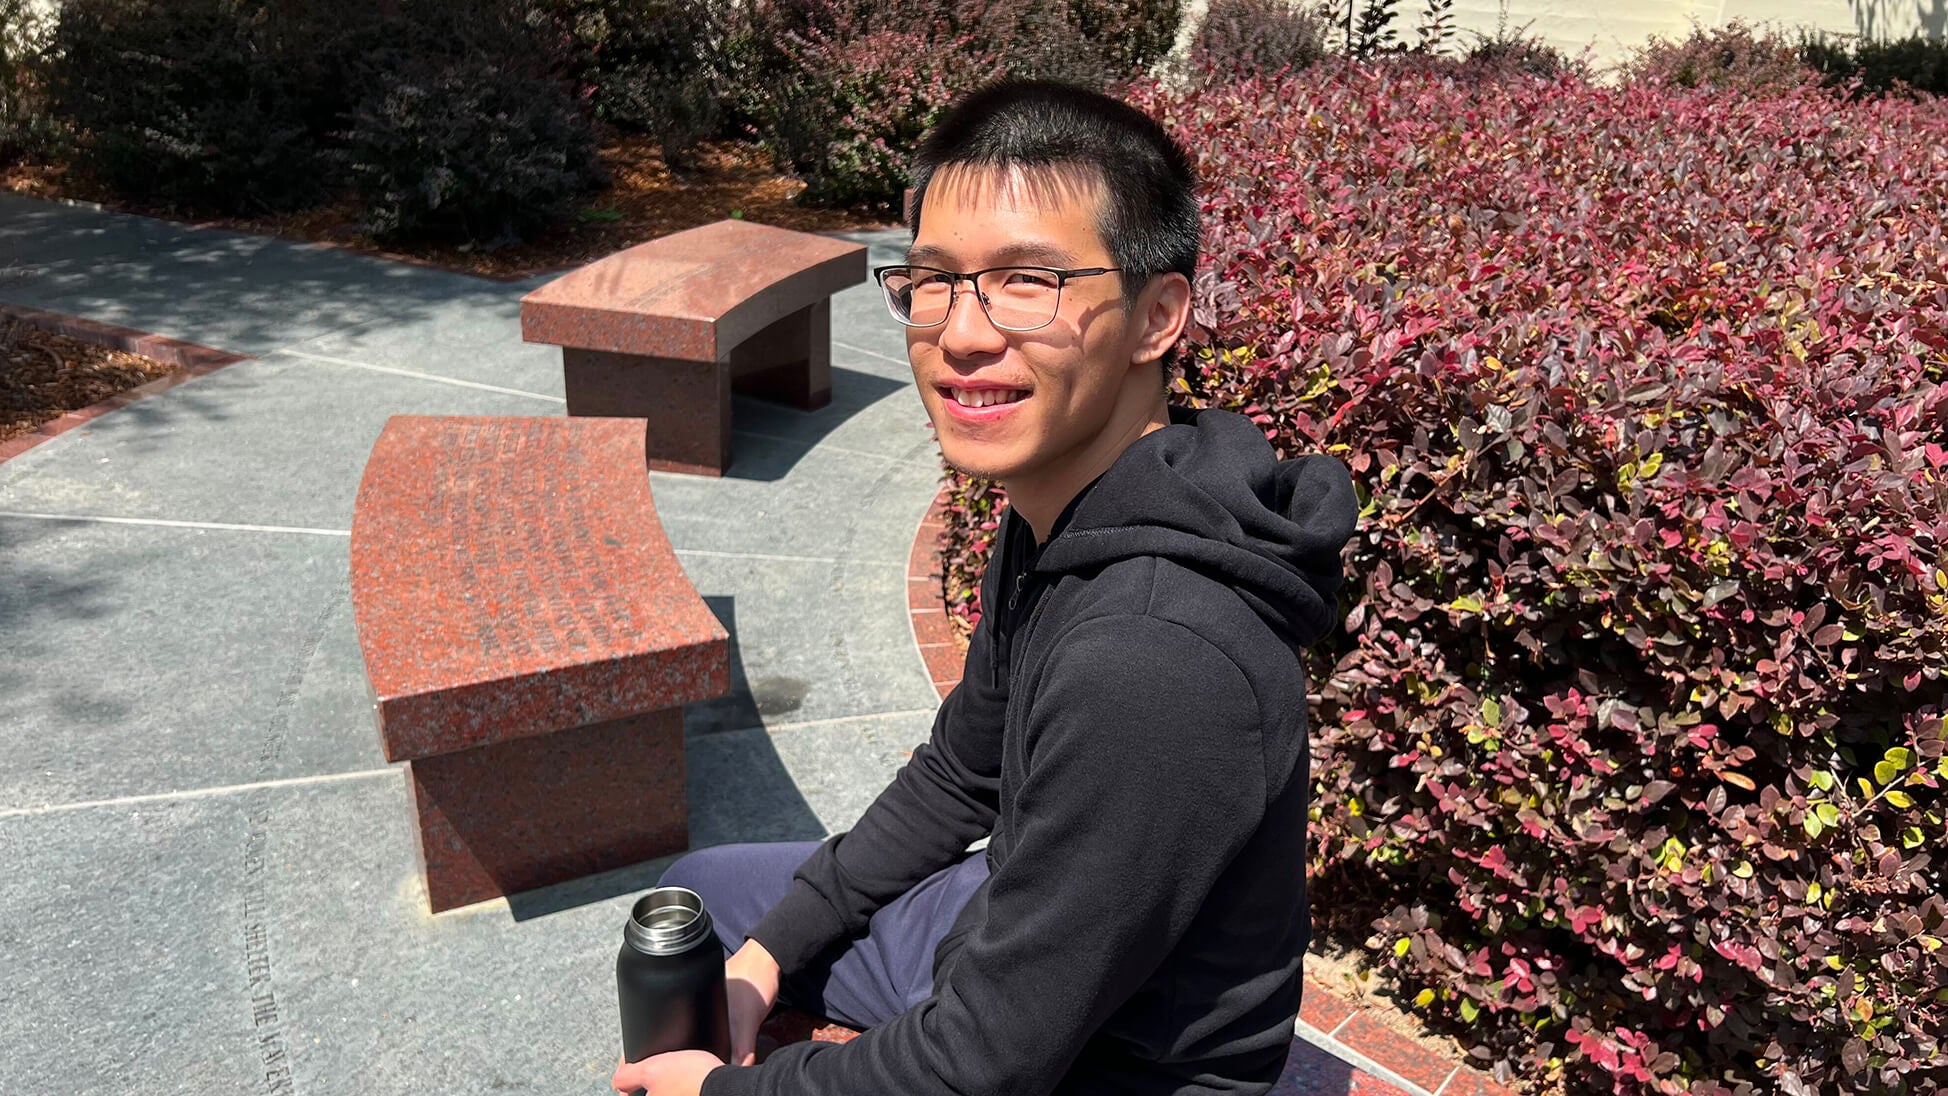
(1327,1020)
(194,361)
(933,630)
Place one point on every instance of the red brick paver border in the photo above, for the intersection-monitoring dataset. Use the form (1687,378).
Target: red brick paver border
(1383,1060)
(933,631)
(194,360)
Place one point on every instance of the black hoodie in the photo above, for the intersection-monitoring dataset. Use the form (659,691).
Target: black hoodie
(1140,764)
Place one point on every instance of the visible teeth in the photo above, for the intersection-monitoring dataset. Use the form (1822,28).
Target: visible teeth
(982,397)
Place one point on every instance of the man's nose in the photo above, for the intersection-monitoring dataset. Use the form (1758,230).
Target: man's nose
(969,332)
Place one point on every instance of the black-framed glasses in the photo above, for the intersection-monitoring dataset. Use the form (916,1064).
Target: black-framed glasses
(1015,298)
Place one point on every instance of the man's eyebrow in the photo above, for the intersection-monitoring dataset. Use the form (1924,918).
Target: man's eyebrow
(1025,253)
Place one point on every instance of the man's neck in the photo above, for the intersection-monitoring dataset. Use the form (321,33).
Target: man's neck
(1039,500)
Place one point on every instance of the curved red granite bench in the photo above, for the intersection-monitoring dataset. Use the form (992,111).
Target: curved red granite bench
(531,640)
(664,330)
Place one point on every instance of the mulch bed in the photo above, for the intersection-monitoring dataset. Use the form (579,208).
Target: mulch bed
(644,200)
(44,376)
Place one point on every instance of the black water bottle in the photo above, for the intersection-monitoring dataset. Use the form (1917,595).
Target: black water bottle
(670,978)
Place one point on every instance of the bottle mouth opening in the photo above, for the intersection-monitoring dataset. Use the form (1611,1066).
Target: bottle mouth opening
(667,920)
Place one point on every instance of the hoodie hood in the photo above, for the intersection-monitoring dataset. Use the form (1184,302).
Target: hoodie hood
(1209,493)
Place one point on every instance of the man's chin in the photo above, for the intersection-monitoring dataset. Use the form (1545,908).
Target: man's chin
(977,465)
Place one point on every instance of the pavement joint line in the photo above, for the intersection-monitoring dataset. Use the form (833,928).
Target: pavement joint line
(221,525)
(195,793)
(786,559)
(1341,1025)
(417,375)
(1354,1058)
(1448,1080)
(872,353)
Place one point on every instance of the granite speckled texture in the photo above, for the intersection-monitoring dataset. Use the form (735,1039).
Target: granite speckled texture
(509,578)
(692,295)
(534,811)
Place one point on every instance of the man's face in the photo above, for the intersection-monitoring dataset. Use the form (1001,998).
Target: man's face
(1063,386)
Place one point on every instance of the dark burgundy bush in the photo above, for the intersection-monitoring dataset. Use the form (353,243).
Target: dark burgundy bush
(187,104)
(1259,37)
(1630,755)
(1880,66)
(469,149)
(1735,56)
(663,67)
(852,85)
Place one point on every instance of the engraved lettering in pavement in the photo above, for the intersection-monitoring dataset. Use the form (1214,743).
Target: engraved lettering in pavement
(257,958)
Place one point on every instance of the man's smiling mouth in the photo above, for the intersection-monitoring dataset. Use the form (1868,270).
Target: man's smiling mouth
(984,397)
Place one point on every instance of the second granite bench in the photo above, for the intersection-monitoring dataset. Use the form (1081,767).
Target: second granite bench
(531,641)
(665,331)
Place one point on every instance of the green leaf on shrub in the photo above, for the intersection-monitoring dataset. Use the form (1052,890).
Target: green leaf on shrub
(1899,757)
(1885,771)
(1402,946)
(1743,869)
(1828,813)
(1814,827)
(1813,892)
(1491,711)
(1911,837)
(1900,799)
(1424,998)
(1469,1010)
(1672,856)
(1823,780)
(1465,604)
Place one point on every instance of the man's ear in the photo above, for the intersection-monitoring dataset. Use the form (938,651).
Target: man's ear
(1161,312)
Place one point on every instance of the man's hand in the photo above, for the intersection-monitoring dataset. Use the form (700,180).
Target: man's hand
(678,1073)
(751,983)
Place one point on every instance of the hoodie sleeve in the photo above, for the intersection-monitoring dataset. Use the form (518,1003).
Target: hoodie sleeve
(941,801)
(1145,777)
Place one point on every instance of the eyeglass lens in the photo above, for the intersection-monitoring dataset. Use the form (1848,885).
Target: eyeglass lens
(1020,299)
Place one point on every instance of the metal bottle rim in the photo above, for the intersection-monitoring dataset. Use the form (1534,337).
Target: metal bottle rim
(667,935)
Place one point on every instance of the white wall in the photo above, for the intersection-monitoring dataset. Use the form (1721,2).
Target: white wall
(1615,28)
(1619,26)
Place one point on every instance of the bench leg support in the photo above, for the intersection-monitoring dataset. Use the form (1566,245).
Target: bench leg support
(790,361)
(688,404)
(529,812)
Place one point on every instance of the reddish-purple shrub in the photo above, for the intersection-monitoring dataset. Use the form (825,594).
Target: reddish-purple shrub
(1631,752)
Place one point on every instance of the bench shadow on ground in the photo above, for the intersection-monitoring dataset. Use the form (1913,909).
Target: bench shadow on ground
(738,787)
(768,439)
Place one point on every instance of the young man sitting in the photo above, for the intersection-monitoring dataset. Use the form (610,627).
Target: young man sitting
(1130,732)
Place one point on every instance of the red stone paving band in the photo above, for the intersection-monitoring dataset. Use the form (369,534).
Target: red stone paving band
(194,361)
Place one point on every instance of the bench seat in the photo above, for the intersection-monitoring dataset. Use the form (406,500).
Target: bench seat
(530,639)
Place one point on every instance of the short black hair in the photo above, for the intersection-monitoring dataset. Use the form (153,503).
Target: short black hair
(1149,220)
